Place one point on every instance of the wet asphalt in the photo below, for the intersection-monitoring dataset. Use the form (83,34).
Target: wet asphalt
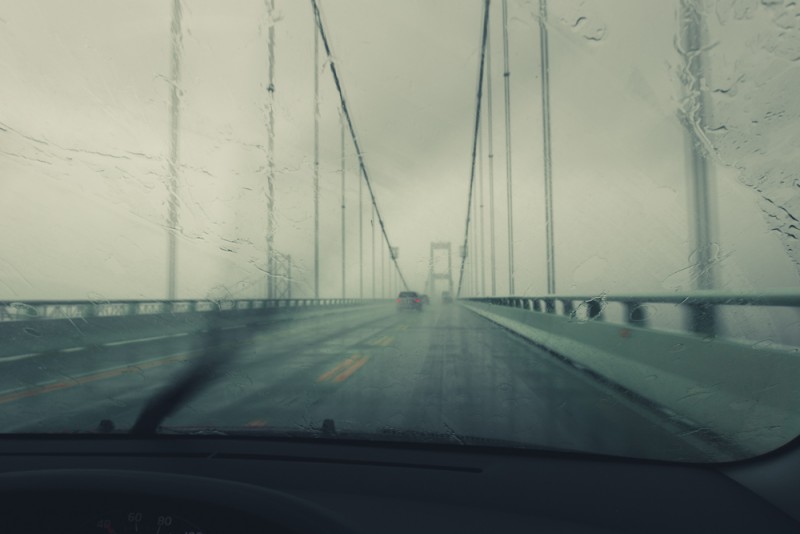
(444,374)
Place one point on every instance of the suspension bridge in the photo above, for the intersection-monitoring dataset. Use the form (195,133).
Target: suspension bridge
(314,334)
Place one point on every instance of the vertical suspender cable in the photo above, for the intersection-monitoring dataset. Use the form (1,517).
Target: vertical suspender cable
(316,163)
(509,194)
(701,185)
(271,153)
(475,250)
(360,238)
(344,249)
(383,275)
(289,276)
(482,216)
(700,171)
(172,185)
(490,142)
(548,169)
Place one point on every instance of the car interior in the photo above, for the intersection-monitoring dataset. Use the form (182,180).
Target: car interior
(82,484)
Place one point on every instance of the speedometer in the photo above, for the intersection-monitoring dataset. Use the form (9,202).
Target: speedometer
(141,522)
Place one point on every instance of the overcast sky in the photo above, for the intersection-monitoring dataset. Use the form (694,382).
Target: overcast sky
(84,137)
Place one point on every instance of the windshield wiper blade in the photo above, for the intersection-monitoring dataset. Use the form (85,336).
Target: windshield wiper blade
(204,370)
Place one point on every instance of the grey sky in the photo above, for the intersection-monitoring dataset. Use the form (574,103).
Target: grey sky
(84,110)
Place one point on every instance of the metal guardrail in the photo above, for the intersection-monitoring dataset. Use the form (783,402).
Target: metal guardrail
(700,307)
(76,309)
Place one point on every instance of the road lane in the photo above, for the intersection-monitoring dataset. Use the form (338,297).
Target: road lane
(61,393)
(444,373)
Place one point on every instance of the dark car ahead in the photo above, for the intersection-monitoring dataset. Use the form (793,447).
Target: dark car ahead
(409,300)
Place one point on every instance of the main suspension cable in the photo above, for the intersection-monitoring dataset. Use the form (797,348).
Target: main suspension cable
(349,120)
(474,140)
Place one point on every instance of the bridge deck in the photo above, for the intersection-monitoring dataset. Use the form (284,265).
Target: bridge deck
(445,371)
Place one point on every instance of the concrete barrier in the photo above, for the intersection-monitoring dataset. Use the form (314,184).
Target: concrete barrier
(747,393)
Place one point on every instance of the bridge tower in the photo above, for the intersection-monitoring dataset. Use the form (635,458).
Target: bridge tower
(435,274)
(282,276)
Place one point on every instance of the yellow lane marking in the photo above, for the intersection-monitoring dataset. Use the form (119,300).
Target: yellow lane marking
(348,362)
(353,368)
(345,369)
(387,341)
(65,384)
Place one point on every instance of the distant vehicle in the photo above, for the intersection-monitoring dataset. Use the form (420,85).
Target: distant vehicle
(409,300)
(447,298)
(425,299)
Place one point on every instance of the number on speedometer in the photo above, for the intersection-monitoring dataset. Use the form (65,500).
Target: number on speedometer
(139,522)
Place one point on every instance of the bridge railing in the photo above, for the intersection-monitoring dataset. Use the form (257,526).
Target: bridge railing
(700,308)
(736,396)
(76,309)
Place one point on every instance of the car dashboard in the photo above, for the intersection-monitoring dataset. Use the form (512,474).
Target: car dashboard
(214,485)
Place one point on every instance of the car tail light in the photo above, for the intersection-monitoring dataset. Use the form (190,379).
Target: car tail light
(417,300)
(398,300)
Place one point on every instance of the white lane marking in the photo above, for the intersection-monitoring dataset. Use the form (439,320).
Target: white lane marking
(18,357)
(235,327)
(142,340)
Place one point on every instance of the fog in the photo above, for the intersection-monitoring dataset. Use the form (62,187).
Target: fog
(85,129)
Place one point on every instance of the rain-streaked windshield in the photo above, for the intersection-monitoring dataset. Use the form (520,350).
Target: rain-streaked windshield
(547,225)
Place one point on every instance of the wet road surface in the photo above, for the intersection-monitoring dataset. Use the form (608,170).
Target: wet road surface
(442,374)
